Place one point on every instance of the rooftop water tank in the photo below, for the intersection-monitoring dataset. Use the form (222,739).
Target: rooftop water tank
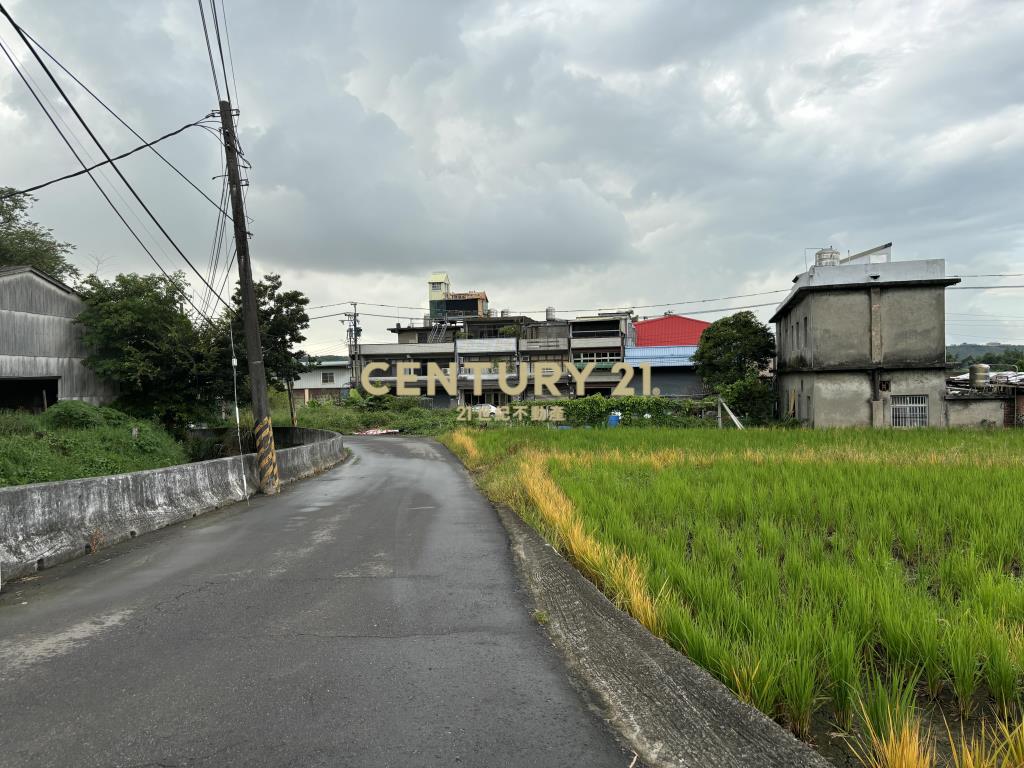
(979,373)
(827,257)
(549,313)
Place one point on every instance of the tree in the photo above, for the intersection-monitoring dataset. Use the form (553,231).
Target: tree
(23,242)
(138,335)
(732,347)
(282,320)
(731,359)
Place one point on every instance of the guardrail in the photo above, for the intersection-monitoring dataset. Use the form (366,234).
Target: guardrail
(48,523)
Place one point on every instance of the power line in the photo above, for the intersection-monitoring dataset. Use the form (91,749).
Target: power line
(231,58)
(220,48)
(117,117)
(99,144)
(103,192)
(93,167)
(209,50)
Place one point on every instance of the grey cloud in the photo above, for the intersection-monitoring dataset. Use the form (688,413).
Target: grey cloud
(703,145)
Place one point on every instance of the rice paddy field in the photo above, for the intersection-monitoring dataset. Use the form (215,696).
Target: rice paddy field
(863,588)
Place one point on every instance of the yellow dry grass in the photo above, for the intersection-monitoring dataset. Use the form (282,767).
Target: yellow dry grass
(905,746)
(619,575)
(465,443)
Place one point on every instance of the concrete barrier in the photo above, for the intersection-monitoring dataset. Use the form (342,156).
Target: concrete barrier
(48,523)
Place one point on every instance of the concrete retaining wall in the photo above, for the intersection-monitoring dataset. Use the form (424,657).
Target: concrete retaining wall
(47,523)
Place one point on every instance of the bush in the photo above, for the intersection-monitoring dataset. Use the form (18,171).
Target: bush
(74,439)
(73,414)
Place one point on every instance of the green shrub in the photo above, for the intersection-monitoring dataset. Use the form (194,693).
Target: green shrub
(73,414)
(73,439)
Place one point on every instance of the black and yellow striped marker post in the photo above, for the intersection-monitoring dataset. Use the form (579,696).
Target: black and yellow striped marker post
(266,458)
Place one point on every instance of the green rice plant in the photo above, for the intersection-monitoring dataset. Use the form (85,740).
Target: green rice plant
(964,650)
(761,534)
(798,679)
(1001,673)
(755,678)
(888,705)
(843,671)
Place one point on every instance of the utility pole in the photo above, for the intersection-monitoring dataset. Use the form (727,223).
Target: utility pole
(266,458)
(354,332)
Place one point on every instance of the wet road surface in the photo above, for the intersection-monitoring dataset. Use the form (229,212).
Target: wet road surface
(366,617)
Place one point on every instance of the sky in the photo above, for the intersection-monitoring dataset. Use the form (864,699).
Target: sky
(579,154)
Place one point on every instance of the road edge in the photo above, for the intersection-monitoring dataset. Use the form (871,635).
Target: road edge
(669,710)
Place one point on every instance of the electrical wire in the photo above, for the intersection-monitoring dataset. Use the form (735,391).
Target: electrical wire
(123,122)
(93,167)
(102,191)
(220,48)
(99,144)
(231,58)
(209,50)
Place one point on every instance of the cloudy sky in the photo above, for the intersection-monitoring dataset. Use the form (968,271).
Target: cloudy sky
(573,153)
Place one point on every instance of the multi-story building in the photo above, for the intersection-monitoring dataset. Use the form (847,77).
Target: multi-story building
(601,339)
(667,344)
(329,379)
(862,342)
(444,304)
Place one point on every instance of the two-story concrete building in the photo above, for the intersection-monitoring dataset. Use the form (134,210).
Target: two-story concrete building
(862,342)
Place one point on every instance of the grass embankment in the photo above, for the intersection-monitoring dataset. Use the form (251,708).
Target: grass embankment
(859,578)
(73,439)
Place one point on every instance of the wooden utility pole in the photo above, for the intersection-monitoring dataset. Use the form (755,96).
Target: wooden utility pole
(266,458)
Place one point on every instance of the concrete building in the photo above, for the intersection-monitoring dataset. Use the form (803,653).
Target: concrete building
(443,303)
(862,342)
(504,338)
(41,347)
(667,344)
(601,339)
(331,379)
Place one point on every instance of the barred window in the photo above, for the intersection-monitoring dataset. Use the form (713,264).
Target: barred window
(909,410)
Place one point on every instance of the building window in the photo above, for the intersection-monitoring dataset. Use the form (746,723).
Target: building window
(909,410)
(596,357)
(326,377)
(437,286)
(805,331)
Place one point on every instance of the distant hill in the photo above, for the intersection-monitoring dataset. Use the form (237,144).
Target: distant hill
(995,354)
(976,350)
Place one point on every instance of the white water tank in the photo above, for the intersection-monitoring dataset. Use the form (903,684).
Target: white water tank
(979,375)
(549,313)
(827,257)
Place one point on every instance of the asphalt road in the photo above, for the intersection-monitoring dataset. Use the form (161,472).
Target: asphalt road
(366,617)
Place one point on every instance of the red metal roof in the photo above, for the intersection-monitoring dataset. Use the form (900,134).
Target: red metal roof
(669,331)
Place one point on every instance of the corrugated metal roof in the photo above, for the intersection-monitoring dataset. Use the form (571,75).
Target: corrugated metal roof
(662,356)
(670,330)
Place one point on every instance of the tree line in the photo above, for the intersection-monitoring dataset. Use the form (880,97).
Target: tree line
(167,363)
(175,367)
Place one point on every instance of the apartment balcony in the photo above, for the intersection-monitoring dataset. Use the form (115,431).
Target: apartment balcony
(597,342)
(499,345)
(398,351)
(543,345)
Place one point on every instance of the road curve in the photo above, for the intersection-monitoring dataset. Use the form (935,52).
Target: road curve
(366,617)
